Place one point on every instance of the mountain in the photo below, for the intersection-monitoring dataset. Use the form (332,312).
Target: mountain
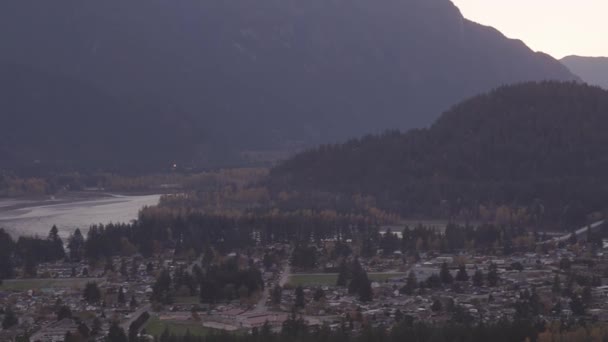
(55,122)
(270,74)
(517,145)
(593,70)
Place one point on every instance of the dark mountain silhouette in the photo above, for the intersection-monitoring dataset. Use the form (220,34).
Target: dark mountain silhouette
(516,145)
(268,74)
(593,70)
(57,122)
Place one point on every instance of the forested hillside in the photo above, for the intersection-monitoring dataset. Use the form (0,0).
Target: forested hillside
(54,122)
(262,75)
(542,146)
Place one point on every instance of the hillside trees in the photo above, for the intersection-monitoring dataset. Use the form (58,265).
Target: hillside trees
(524,154)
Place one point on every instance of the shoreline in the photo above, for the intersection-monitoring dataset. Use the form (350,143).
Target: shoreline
(21,203)
(68,211)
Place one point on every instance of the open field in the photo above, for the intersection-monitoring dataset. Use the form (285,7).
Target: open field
(187,300)
(331,278)
(156,327)
(47,283)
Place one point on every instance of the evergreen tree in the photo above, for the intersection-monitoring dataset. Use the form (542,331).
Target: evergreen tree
(83,330)
(277,293)
(577,305)
(343,275)
(300,300)
(319,294)
(72,337)
(493,275)
(7,246)
(556,288)
(97,326)
(365,288)
(462,274)
(10,319)
(517,266)
(64,312)
(92,294)
(109,267)
(208,256)
(445,275)
(116,334)
(57,252)
(294,327)
(161,290)
(478,278)
(209,291)
(304,257)
(164,337)
(587,296)
(133,302)
(437,306)
(565,264)
(433,281)
(123,268)
(121,296)
(410,285)
(31,265)
(76,246)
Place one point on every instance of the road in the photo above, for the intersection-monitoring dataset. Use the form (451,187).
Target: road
(135,315)
(285,275)
(284,278)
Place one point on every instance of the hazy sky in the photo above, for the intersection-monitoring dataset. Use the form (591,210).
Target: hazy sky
(557,27)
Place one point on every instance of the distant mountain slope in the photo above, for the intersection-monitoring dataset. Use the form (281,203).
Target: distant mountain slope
(267,74)
(593,70)
(516,145)
(57,122)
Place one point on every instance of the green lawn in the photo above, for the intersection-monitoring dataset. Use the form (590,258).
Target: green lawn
(313,279)
(381,277)
(37,284)
(156,327)
(331,278)
(187,300)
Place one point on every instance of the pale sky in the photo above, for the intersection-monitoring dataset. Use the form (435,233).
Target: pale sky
(557,27)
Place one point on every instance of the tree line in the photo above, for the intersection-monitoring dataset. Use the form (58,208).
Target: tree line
(534,149)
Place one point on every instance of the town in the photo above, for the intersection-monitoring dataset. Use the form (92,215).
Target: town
(332,283)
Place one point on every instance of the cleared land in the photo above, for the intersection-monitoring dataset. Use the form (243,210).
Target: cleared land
(331,278)
(187,300)
(47,283)
(156,327)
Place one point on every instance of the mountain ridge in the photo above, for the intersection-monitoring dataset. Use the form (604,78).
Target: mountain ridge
(593,70)
(270,74)
(69,124)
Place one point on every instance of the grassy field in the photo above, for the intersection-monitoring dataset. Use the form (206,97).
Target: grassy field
(187,300)
(313,279)
(331,278)
(156,327)
(53,283)
(380,277)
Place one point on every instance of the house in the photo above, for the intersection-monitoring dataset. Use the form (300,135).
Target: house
(55,332)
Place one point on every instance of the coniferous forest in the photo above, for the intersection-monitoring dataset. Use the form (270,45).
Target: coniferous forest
(539,146)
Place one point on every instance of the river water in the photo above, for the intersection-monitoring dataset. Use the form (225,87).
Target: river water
(36,217)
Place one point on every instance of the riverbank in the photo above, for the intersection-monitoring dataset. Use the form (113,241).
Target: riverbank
(35,216)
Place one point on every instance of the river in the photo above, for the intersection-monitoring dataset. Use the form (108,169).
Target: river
(36,217)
